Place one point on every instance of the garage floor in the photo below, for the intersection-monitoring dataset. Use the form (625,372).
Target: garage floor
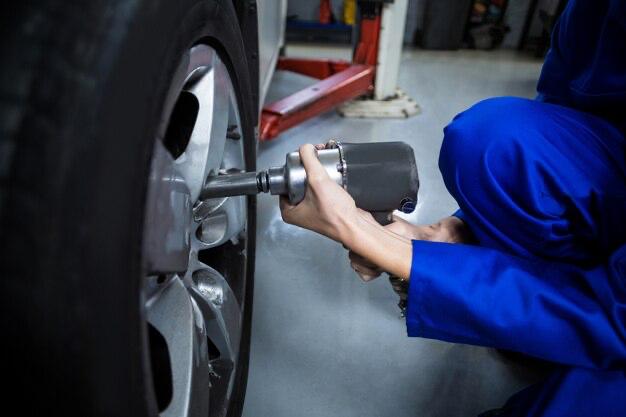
(323,342)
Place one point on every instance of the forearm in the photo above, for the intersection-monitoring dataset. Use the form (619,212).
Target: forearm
(390,251)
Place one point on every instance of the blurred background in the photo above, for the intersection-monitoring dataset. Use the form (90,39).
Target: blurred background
(437,24)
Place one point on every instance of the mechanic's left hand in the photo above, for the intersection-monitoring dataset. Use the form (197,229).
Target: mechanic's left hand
(449,230)
(326,208)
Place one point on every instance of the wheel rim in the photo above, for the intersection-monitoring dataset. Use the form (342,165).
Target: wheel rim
(192,308)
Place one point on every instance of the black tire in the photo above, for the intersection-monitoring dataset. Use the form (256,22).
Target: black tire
(81,93)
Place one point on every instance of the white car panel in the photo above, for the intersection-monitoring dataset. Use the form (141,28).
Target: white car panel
(272,16)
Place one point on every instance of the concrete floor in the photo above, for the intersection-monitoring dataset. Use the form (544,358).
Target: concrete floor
(323,342)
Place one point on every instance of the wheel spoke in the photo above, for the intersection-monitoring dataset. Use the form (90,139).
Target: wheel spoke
(177,318)
(222,318)
(211,87)
(220,308)
(168,217)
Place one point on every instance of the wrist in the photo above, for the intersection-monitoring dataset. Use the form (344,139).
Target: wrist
(359,230)
(351,229)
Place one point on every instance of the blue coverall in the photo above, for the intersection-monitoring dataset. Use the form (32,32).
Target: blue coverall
(542,186)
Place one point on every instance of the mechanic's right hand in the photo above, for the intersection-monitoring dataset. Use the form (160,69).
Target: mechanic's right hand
(327,208)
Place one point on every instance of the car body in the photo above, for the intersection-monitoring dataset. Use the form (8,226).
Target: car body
(272,16)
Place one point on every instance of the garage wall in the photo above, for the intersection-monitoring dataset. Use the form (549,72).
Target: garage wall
(414,20)
(514,17)
(310,9)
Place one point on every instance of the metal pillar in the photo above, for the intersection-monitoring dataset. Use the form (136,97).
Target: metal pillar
(390,49)
(378,49)
(388,100)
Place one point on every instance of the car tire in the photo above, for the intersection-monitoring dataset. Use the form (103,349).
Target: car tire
(81,98)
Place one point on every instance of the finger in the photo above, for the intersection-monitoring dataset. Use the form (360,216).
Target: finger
(320,146)
(358,259)
(365,276)
(365,268)
(285,208)
(367,272)
(312,165)
(401,221)
(401,227)
(395,218)
(369,269)
(284,204)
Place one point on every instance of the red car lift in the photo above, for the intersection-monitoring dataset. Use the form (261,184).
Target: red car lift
(339,80)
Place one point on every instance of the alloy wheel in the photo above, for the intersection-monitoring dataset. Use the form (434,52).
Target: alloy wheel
(194,251)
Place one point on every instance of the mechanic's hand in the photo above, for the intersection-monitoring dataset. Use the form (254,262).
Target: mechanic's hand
(367,270)
(450,230)
(326,208)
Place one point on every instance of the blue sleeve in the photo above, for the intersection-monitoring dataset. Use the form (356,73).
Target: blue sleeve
(459,214)
(558,312)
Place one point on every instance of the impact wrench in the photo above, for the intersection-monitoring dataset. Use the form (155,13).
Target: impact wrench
(380,176)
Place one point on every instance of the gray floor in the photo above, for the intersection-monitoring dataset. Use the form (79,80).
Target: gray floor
(326,344)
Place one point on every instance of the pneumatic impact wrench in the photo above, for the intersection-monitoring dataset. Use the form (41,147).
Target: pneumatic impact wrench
(380,176)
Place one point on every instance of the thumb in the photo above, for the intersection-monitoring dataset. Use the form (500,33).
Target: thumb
(312,165)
